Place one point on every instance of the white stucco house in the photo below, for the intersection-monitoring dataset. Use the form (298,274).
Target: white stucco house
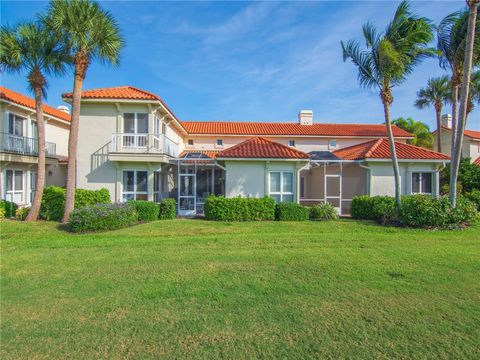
(19,146)
(131,143)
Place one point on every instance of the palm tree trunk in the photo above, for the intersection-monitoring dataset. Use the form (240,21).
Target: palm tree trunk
(393,153)
(438,114)
(40,184)
(73,142)
(467,69)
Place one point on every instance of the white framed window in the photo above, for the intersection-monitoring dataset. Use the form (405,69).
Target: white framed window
(135,129)
(14,186)
(219,142)
(422,183)
(332,144)
(281,186)
(291,143)
(190,142)
(135,185)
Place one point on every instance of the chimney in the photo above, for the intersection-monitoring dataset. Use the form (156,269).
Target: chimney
(305,117)
(446,120)
(63,108)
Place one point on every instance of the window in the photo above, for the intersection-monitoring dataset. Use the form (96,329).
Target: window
(281,186)
(291,143)
(190,142)
(302,187)
(332,144)
(421,183)
(135,125)
(219,142)
(15,125)
(14,185)
(157,186)
(135,185)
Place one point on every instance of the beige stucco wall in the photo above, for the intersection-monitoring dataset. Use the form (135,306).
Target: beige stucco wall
(471,147)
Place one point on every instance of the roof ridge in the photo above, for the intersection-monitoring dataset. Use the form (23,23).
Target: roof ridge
(143,91)
(419,147)
(280,122)
(240,143)
(375,146)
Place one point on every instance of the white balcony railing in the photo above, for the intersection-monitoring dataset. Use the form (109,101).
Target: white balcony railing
(143,143)
(24,145)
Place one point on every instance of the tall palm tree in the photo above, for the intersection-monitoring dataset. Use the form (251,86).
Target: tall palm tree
(388,59)
(472,50)
(436,93)
(474,93)
(421,132)
(28,48)
(89,32)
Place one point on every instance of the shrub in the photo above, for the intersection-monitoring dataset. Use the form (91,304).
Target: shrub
(468,175)
(53,201)
(324,211)
(286,211)
(168,209)
(239,209)
(9,208)
(102,217)
(2,213)
(371,207)
(146,210)
(21,213)
(474,196)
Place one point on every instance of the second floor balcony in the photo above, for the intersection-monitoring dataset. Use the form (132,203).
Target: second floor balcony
(22,145)
(137,143)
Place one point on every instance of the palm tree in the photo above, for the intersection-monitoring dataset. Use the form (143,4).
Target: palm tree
(421,132)
(387,60)
(436,93)
(89,32)
(471,48)
(28,48)
(474,93)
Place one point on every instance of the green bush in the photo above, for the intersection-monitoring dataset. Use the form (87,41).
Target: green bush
(220,208)
(102,217)
(21,213)
(2,213)
(324,211)
(286,211)
(168,209)
(468,176)
(474,196)
(366,207)
(9,207)
(146,210)
(53,201)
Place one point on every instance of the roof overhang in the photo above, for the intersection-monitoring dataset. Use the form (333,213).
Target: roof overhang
(33,111)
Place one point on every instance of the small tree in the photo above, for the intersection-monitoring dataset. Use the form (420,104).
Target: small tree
(436,94)
(28,48)
(421,132)
(88,32)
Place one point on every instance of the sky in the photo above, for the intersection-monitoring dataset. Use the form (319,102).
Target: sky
(248,61)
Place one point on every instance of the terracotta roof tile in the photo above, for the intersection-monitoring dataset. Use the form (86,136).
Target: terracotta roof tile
(26,101)
(477,162)
(470,133)
(210,153)
(261,148)
(380,149)
(265,129)
(119,92)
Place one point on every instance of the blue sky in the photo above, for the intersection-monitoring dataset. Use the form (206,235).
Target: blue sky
(248,61)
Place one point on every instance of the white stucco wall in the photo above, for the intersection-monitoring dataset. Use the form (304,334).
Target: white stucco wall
(471,147)
(58,133)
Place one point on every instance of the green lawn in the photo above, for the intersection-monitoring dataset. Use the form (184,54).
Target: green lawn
(198,289)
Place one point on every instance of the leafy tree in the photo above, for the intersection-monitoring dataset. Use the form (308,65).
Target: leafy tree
(420,130)
(28,48)
(88,33)
(474,93)
(436,94)
(468,176)
(390,56)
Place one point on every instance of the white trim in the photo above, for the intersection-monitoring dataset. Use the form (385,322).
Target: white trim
(298,135)
(432,182)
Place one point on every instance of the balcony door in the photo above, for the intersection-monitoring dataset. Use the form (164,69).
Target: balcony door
(135,130)
(14,138)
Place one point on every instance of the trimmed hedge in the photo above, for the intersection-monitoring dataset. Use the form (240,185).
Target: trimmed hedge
(146,210)
(9,207)
(324,211)
(371,207)
(21,213)
(474,196)
(53,201)
(102,217)
(167,209)
(287,211)
(220,208)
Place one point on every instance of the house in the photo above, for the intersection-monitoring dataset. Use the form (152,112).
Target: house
(19,146)
(471,140)
(131,143)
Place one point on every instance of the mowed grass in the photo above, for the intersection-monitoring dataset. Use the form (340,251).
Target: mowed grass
(199,289)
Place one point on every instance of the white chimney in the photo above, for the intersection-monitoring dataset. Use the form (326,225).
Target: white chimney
(63,108)
(446,120)
(305,117)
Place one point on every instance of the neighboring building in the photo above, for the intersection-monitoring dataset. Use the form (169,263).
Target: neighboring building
(131,143)
(19,146)
(471,140)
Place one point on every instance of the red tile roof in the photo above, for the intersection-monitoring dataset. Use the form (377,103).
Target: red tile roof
(210,153)
(265,129)
(470,133)
(119,92)
(477,162)
(380,149)
(261,148)
(26,101)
